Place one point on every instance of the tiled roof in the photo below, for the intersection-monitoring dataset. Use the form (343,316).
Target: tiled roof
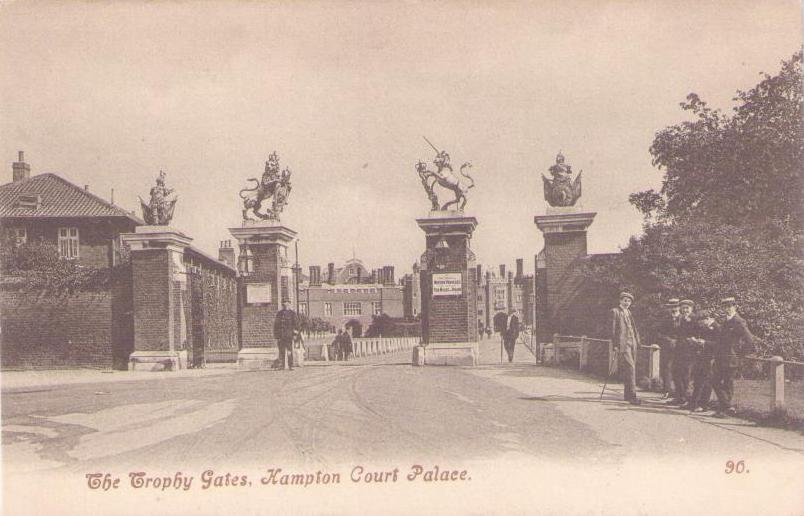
(58,198)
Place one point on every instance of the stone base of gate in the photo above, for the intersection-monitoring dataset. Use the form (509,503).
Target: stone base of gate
(257,358)
(447,354)
(157,360)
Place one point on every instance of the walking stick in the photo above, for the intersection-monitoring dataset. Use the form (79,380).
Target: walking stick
(611,366)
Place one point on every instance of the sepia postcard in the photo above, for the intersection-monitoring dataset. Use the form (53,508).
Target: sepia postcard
(413,257)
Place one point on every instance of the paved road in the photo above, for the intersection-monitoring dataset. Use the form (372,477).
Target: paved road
(375,411)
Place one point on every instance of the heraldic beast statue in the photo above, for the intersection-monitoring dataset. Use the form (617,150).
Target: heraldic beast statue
(159,210)
(444,176)
(562,190)
(274,186)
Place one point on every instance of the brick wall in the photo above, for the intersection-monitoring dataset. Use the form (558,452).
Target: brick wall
(449,318)
(88,329)
(256,324)
(152,315)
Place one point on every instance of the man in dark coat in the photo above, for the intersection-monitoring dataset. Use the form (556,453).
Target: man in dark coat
(511,333)
(284,326)
(667,334)
(346,345)
(702,352)
(682,354)
(625,338)
(735,338)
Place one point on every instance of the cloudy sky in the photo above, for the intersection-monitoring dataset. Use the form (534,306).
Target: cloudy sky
(109,93)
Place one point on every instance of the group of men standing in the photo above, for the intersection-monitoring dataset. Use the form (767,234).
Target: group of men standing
(696,348)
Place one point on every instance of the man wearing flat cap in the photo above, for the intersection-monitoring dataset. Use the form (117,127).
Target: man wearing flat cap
(735,337)
(667,334)
(625,338)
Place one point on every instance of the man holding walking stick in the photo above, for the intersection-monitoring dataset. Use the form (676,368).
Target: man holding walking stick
(625,338)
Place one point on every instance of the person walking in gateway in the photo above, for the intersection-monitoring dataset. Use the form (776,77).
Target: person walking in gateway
(346,345)
(668,335)
(511,333)
(735,338)
(284,325)
(335,347)
(625,338)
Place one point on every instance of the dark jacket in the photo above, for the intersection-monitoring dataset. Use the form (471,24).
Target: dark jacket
(667,333)
(735,339)
(284,324)
(684,348)
(512,330)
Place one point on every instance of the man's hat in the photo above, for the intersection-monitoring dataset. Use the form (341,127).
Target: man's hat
(728,301)
(686,302)
(672,302)
(627,294)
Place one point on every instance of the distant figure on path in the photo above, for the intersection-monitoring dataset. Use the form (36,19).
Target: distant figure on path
(511,333)
(346,345)
(284,326)
(335,347)
(625,338)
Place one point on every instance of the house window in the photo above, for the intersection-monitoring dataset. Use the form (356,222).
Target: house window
(17,236)
(376,307)
(68,242)
(303,308)
(352,309)
(328,309)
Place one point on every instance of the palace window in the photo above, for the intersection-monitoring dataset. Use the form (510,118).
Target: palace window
(328,309)
(352,309)
(303,308)
(68,243)
(376,307)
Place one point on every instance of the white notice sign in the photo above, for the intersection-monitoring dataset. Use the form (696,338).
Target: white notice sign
(258,293)
(447,284)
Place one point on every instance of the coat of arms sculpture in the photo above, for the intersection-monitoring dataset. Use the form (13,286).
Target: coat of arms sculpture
(562,190)
(275,185)
(159,210)
(444,176)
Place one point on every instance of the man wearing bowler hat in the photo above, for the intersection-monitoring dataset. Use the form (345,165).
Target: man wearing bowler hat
(735,338)
(625,338)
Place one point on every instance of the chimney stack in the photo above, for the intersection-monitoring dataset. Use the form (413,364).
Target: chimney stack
(226,253)
(502,271)
(388,275)
(331,273)
(518,268)
(315,275)
(20,169)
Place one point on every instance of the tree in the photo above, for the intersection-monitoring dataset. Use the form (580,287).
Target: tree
(744,168)
(728,218)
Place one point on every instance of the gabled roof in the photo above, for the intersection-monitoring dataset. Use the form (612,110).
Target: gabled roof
(57,198)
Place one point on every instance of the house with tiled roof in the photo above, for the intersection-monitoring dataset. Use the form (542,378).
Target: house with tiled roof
(48,207)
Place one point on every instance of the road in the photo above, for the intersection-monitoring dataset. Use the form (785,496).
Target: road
(376,412)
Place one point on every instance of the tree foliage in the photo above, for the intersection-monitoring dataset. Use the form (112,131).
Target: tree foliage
(37,268)
(736,169)
(727,220)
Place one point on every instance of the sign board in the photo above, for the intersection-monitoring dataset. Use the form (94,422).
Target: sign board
(447,284)
(258,293)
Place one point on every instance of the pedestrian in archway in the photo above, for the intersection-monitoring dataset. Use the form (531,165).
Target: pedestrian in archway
(511,333)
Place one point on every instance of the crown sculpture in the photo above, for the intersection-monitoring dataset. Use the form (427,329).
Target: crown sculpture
(275,185)
(159,210)
(445,177)
(562,190)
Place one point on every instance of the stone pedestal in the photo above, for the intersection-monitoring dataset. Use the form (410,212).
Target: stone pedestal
(160,296)
(448,290)
(564,231)
(265,279)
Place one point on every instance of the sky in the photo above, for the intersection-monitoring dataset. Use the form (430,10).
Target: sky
(107,94)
